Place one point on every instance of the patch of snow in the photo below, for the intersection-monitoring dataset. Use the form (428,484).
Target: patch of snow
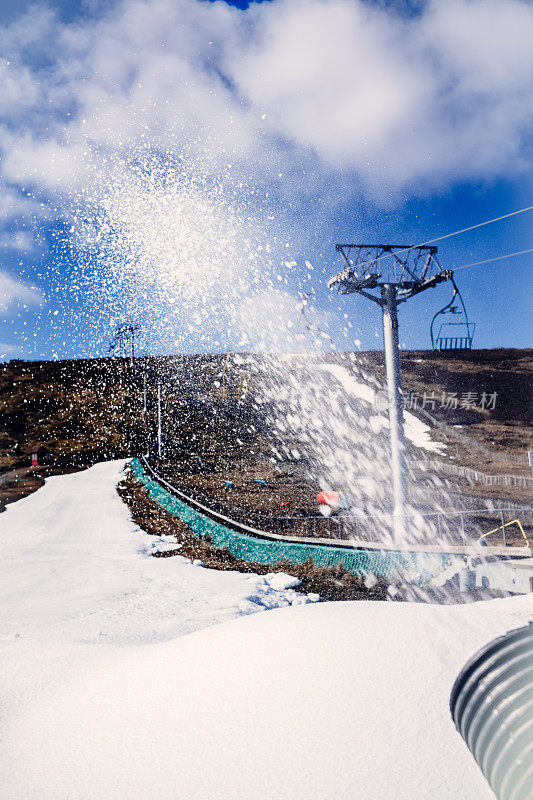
(350,384)
(163,543)
(420,434)
(377,423)
(370,580)
(415,430)
(280,581)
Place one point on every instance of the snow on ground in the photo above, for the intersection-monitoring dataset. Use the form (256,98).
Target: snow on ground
(103,696)
(415,430)
(77,579)
(336,700)
(74,566)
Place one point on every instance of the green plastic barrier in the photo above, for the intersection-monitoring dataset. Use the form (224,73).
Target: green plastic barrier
(390,564)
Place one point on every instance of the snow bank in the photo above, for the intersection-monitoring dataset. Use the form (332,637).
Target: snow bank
(336,700)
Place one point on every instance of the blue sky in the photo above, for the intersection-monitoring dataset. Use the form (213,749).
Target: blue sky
(180,162)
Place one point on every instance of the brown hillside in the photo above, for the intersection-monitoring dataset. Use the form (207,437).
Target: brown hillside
(89,410)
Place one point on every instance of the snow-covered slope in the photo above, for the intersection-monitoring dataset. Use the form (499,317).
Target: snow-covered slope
(77,580)
(337,700)
(74,566)
(103,696)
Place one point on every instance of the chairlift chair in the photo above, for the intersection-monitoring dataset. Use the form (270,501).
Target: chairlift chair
(453,335)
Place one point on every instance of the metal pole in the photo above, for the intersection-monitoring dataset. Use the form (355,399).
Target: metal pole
(394,382)
(145,415)
(159,428)
(490,704)
(503,529)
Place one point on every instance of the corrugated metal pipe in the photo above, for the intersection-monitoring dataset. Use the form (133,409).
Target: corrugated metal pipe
(492,707)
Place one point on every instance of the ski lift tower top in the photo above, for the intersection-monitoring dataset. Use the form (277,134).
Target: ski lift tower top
(411,269)
(389,275)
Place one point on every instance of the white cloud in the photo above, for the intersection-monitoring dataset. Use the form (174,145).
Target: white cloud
(357,93)
(444,95)
(14,205)
(14,292)
(21,241)
(9,350)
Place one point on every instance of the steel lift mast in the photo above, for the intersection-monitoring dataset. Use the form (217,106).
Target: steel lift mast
(389,275)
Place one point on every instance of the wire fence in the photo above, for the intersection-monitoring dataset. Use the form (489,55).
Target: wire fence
(507,525)
(475,475)
(6,477)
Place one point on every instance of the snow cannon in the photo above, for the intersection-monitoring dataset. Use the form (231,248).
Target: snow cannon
(492,706)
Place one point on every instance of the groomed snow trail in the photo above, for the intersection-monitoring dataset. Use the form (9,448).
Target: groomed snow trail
(104,697)
(73,565)
(77,578)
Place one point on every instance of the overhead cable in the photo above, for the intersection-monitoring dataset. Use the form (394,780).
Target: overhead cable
(498,258)
(449,235)
(479,225)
